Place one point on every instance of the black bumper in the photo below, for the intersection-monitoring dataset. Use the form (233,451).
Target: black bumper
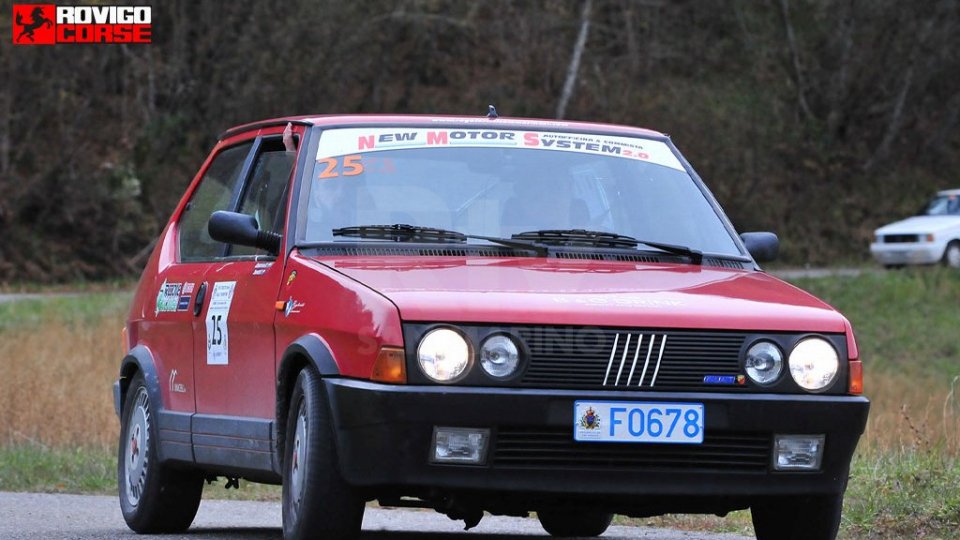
(384,436)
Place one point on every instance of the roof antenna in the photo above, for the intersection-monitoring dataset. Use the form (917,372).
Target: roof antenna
(492,112)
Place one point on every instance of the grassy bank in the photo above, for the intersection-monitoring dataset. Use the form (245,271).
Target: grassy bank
(58,358)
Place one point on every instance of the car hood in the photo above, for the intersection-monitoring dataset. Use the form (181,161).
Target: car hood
(920,225)
(551,291)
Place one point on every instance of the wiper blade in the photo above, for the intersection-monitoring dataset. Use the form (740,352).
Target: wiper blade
(581,237)
(401,232)
(578,237)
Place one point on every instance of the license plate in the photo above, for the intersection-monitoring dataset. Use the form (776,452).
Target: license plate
(638,422)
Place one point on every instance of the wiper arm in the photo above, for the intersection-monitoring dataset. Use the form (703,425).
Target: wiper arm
(540,249)
(581,237)
(400,232)
(696,257)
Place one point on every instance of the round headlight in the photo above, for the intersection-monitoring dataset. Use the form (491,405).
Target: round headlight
(764,362)
(814,363)
(444,355)
(499,356)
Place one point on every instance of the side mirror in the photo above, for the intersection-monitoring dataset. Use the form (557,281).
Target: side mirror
(241,229)
(763,246)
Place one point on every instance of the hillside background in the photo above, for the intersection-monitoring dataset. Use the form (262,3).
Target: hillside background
(819,120)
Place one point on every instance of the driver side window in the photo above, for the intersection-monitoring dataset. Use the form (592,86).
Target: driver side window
(216,191)
(265,196)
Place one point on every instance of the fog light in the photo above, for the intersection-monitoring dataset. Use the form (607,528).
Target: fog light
(798,452)
(460,445)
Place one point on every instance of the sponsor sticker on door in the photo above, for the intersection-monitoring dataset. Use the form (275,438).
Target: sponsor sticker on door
(218,337)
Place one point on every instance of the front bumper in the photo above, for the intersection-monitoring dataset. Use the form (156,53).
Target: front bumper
(384,437)
(907,253)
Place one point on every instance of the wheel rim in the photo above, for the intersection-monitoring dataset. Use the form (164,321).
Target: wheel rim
(136,454)
(953,256)
(298,465)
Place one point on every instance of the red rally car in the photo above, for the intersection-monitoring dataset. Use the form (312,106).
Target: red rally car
(477,314)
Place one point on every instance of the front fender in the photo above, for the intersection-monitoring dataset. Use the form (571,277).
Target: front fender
(307,350)
(139,359)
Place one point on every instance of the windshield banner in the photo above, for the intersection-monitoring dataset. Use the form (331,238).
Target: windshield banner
(340,142)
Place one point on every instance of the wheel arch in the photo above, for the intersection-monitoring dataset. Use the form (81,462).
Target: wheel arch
(955,241)
(308,350)
(138,360)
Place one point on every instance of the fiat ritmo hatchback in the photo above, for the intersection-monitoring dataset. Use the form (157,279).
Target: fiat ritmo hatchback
(477,314)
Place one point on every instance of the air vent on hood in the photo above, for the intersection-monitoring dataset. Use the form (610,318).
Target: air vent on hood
(360,249)
(410,251)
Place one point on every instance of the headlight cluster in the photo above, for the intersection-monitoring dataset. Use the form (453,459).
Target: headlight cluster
(764,363)
(445,355)
(813,363)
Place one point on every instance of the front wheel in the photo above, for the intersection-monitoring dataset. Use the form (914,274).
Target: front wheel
(317,502)
(574,523)
(797,518)
(951,256)
(153,498)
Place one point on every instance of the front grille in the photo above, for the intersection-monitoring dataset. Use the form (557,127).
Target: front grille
(554,448)
(575,357)
(900,238)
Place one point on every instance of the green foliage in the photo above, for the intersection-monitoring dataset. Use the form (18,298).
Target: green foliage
(79,308)
(65,470)
(821,137)
(912,495)
(906,321)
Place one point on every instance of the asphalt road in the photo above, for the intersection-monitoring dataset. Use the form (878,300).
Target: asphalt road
(47,516)
(18,296)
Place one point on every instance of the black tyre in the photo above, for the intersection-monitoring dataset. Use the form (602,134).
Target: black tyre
(581,523)
(317,502)
(951,255)
(153,498)
(797,518)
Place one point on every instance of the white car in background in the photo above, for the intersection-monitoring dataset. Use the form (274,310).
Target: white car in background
(930,237)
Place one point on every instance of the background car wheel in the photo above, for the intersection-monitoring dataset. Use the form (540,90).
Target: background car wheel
(951,256)
(574,522)
(153,498)
(797,518)
(317,502)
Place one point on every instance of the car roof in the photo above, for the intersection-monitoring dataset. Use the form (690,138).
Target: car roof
(949,192)
(441,120)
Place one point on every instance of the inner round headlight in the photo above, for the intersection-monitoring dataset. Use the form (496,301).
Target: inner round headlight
(444,355)
(499,356)
(814,363)
(764,362)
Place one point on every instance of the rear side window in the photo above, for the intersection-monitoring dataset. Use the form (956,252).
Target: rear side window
(216,191)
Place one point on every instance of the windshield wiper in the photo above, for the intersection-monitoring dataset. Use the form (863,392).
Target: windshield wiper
(400,232)
(581,237)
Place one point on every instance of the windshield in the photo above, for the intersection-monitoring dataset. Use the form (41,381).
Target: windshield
(497,183)
(943,205)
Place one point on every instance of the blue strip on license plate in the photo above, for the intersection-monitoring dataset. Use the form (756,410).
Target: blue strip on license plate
(639,422)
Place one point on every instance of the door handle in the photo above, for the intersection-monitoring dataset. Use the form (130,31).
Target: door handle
(198,301)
